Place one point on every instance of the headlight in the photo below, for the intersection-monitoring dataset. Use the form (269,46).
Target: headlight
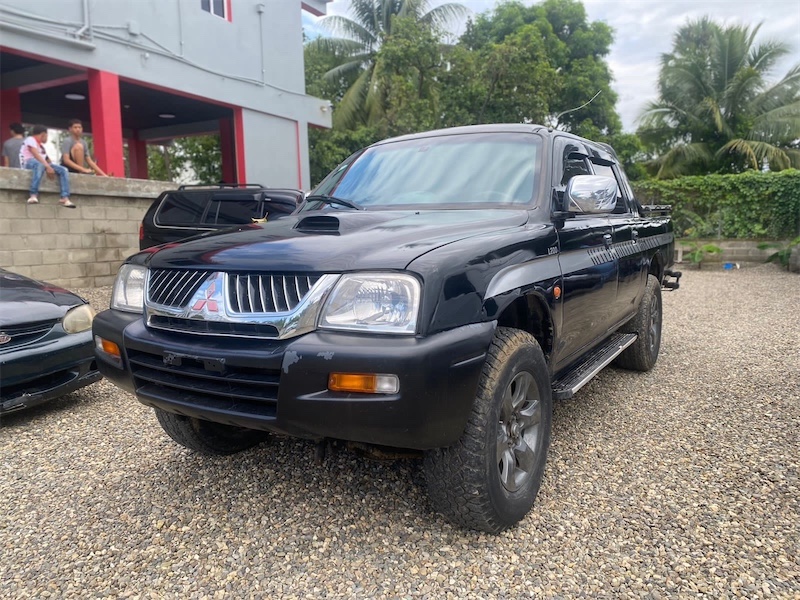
(378,303)
(128,294)
(78,319)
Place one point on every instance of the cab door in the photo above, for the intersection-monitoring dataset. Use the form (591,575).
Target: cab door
(625,223)
(588,266)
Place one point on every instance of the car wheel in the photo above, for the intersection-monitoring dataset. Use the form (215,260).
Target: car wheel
(489,479)
(643,353)
(205,437)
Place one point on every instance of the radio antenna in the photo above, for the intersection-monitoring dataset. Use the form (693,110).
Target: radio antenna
(559,115)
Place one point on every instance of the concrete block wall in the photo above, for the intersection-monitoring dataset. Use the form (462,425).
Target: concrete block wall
(738,251)
(74,248)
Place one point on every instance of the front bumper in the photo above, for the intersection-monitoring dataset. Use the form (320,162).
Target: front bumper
(34,374)
(282,385)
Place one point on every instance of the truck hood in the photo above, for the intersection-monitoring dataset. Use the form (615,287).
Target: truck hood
(332,241)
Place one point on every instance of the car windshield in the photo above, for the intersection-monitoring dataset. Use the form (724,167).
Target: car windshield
(495,169)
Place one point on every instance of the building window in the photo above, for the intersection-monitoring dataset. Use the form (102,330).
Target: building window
(216,7)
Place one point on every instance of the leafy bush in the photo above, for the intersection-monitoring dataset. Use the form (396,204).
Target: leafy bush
(784,253)
(749,205)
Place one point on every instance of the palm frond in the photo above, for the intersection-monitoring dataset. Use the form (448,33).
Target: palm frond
(681,158)
(347,28)
(446,15)
(339,47)
(763,57)
(346,70)
(348,110)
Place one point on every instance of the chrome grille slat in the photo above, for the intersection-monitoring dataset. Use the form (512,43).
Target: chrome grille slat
(173,285)
(169,287)
(297,287)
(274,297)
(265,293)
(183,281)
(263,305)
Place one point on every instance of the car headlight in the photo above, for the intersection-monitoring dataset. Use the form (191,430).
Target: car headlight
(373,302)
(128,294)
(78,319)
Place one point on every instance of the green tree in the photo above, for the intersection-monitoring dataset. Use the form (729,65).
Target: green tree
(355,52)
(717,112)
(535,64)
(195,159)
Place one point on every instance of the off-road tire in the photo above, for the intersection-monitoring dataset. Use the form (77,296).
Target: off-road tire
(205,437)
(643,353)
(465,481)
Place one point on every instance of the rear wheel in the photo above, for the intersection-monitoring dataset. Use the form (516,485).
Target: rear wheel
(489,479)
(205,437)
(643,353)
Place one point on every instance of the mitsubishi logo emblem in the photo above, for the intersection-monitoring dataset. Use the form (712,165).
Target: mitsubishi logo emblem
(208,302)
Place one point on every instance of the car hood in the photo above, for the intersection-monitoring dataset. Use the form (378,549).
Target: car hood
(25,300)
(332,241)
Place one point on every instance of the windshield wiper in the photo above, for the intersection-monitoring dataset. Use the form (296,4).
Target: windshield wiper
(334,200)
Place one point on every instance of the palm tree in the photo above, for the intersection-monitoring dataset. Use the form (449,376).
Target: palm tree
(716,111)
(357,46)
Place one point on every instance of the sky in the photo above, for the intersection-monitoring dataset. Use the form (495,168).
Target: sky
(643,30)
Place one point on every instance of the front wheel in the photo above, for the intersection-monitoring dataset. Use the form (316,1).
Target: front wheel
(205,437)
(489,479)
(643,353)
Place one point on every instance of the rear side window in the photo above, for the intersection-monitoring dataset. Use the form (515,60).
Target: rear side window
(182,209)
(233,209)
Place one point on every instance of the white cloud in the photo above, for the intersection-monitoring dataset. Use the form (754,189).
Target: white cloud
(644,30)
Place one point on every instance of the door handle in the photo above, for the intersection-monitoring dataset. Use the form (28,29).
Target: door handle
(607,240)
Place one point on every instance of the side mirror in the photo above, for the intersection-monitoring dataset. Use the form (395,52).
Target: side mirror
(590,194)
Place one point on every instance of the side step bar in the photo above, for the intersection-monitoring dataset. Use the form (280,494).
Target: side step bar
(580,374)
(671,285)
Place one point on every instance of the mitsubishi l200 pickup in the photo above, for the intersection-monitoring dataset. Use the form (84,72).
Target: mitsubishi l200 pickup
(435,293)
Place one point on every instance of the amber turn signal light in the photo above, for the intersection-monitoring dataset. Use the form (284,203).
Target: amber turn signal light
(107,346)
(364,383)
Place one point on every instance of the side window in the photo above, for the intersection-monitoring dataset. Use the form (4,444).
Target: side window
(606,171)
(181,209)
(574,164)
(233,209)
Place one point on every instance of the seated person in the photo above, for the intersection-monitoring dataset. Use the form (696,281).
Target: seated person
(75,154)
(33,156)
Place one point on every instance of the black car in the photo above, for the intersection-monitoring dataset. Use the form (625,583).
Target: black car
(194,209)
(46,347)
(436,294)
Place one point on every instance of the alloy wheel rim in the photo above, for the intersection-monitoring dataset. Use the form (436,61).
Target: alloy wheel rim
(519,432)
(655,320)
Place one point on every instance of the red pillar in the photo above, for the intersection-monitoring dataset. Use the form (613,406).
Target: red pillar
(10,110)
(137,158)
(104,106)
(228,150)
(238,137)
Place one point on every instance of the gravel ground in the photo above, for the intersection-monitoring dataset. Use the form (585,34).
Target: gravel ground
(678,483)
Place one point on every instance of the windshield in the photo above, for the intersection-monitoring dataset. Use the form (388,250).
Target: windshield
(495,169)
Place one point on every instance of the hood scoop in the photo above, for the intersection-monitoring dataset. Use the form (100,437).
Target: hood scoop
(319,224)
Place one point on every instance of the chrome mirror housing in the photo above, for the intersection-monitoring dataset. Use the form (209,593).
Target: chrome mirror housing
(590,194)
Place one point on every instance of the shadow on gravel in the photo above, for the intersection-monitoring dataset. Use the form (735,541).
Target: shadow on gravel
(27,416)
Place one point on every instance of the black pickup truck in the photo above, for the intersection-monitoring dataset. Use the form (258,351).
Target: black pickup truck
(435,293)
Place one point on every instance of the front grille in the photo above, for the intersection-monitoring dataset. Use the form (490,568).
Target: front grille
(257,293)
(175,288)
(241,389)
(212,327)
(26,333)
